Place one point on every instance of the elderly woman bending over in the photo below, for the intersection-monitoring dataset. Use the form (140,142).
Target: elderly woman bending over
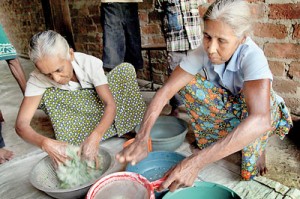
(84,105)
(226,85)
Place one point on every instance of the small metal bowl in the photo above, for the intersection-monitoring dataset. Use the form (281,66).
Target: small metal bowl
(168,133)
(44,178)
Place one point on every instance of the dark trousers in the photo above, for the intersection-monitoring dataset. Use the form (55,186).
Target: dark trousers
(121,35)
(2,144)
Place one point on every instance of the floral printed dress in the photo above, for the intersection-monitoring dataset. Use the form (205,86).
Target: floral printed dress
(215,112)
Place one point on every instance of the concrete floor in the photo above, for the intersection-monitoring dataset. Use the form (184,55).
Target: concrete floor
(283,157)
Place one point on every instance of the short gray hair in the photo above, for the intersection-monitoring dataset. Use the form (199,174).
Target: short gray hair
(48,43)
(235,13)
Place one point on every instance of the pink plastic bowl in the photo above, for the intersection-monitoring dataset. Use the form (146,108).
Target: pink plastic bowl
(123,184)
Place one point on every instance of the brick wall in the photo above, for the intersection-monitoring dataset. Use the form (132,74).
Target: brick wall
(20,20)
(276,31)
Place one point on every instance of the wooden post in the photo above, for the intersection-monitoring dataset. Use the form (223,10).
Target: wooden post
(58,18)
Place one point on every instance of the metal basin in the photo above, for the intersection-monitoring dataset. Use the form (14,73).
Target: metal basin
(43,177)
(168,133)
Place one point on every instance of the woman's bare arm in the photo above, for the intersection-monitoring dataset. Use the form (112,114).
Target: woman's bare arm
(138,149)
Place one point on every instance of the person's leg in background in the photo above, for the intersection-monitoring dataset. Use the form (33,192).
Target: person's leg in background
(9,54)
(133,53)
(5,155)
(18,72)
(113,35)
(174,59)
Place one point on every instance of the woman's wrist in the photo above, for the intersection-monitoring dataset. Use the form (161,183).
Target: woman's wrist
(142,136)
(96,136)
(199,159)
(44,143)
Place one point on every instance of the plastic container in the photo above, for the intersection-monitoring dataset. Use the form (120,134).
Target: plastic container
(205,190)
(125,185)
(168,133)
(155,165)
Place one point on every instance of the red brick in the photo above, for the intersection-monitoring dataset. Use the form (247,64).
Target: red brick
(285,86)
(92,28)
(79,46)
(154,16)
(254,1)
(294,69)
(96,19)
(156,39)
(278,31)
(282,50)
(84,11)
(277,68)
(296,32)
(293,103)
(94,10)
(146,4)
(143,17)
(98,37)
(284,11)
(257,10)
(151,29)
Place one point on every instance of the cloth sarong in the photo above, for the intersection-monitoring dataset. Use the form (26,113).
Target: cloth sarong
(7,50)
(75,114)
(215,112)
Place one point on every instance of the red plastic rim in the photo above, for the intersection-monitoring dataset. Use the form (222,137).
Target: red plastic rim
(120,176)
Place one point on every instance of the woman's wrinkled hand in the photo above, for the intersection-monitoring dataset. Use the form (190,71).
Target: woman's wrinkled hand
(134,152)
(89,149)
(183,174)
(56,150)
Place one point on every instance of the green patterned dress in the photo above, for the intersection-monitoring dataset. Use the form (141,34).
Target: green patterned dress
(75,114)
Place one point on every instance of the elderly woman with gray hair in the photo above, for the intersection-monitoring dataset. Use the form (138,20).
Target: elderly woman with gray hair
(84,105)
(226,85)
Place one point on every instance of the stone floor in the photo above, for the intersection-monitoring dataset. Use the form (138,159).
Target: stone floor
(283,157)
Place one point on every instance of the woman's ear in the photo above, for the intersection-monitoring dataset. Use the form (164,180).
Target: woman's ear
(71,51)
(243,39)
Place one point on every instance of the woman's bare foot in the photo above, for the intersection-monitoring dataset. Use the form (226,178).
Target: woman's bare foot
(261,164)
(5,155)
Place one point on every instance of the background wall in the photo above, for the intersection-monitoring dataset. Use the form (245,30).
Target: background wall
(276,31)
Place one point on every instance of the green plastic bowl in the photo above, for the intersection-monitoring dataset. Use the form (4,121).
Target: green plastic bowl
(205,190)
(168,133)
